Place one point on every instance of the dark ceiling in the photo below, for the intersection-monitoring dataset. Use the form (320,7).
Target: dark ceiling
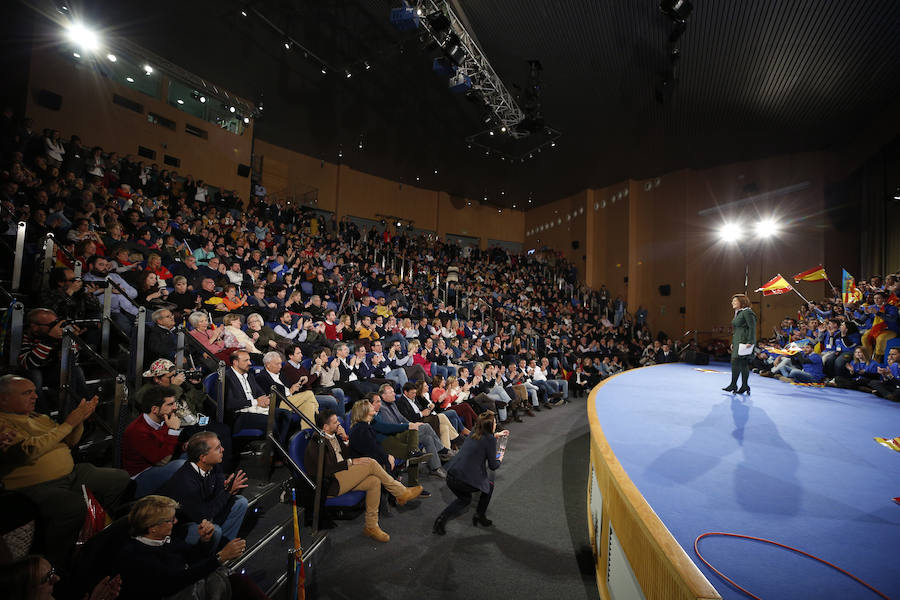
(755,78)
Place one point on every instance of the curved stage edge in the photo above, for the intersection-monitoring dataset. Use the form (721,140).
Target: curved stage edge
(622,524)
(672,457)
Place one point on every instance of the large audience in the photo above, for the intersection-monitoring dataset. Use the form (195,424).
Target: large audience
(391,344)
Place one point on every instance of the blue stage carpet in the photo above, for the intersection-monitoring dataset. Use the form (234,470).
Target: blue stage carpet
(792,464)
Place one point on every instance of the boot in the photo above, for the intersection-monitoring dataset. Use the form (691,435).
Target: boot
(376,534)
(439,523)
(745,389)
(482,520)
(410,494)
(730,388)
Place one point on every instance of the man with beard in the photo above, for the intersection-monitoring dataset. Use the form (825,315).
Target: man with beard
(122,309)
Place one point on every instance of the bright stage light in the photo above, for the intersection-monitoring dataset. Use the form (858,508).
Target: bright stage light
(730,232)
(111,57)
(766,228)
(83,37)
(148,70)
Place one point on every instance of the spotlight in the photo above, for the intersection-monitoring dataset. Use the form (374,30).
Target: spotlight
(897,193)
(435,171)
(324,71)
(231,109)
(503,129)
(129,79)
(83,37)
(180,101)
(492,132)
(76,55)
(287,44)
(348,74)
(383,222)
(111,57)
(730,232)
(243,12)
(148,70)
(417,178)
(767,228)
(553,144)
(246,120)
(202,99)
(399,224)
(368,66)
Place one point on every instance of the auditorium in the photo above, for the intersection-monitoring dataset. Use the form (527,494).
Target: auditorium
(290,290)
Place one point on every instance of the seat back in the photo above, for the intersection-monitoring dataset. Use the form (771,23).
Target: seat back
(306,287)
(297,448)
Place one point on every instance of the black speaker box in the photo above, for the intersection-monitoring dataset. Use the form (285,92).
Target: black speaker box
(49,99)
(665,290)
(244,170)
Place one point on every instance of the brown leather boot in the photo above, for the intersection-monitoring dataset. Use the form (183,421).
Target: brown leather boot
(410,494)
(376,534)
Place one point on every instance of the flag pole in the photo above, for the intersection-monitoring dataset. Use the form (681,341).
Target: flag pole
(799,294)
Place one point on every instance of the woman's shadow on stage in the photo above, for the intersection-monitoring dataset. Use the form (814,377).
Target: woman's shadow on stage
(763,478)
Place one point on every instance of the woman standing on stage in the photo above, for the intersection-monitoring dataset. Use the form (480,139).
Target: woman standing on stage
(467,472)
(742,342)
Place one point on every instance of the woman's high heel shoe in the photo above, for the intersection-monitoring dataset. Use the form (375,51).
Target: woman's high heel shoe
(481,520)
(730,388)
(745,389)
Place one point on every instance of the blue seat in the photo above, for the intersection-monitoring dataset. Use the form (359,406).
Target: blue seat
(306,287)
(331,305)
(297,451)
(377,294)
(307,363)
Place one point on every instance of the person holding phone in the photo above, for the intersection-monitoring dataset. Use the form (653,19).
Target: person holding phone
(742,342)
(467,473)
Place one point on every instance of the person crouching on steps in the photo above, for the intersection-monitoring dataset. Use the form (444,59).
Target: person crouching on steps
(467,472)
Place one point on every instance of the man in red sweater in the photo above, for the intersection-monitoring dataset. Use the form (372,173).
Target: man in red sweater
(150,442)
(333,330)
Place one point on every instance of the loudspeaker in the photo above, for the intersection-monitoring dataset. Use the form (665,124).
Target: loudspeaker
(244,170)
(49,99)
(665,290)
(696,358)
(575,244)
(682,310)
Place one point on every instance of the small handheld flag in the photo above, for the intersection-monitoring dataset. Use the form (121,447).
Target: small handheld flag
(849,292)
(814,274)
(776,285)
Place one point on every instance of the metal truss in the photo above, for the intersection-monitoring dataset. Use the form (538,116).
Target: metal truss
(477,67)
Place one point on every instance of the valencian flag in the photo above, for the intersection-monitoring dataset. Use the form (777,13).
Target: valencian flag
(814,274)
(849,292)
(776,285)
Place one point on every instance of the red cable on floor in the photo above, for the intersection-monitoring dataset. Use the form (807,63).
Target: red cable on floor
(792,549)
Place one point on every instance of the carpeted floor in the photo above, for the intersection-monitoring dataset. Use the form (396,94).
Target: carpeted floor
(537,548)
(793,464)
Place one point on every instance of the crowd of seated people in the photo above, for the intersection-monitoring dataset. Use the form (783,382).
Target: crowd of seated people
(851,346)
(286,299)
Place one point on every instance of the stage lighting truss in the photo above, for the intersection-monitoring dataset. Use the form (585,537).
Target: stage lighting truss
(472,63)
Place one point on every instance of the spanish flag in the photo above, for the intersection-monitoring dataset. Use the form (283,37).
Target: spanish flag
(814,274)
(878,326)
(776,285)
(849,292)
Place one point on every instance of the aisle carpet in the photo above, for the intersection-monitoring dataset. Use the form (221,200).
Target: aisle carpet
(794,464)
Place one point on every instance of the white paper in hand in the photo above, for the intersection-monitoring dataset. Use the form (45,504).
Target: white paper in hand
(745,349)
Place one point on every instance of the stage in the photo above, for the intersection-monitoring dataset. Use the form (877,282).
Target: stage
(797,465)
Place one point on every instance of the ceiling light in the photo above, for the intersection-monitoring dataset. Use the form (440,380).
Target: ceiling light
(76,55)
(129,79)
(148,69)
(419,12)
(514,205)
(435,171)
(766,227)
(83,37)
(729,232)
(417,178)
(348,74)
(246,120)
(243,13)
(492,133)
(180,101)
(368,66)
(287,44)
(202,99)
(111,57)
(503,129)
(897,193)
(231,109)
(553,144)
(324,71)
